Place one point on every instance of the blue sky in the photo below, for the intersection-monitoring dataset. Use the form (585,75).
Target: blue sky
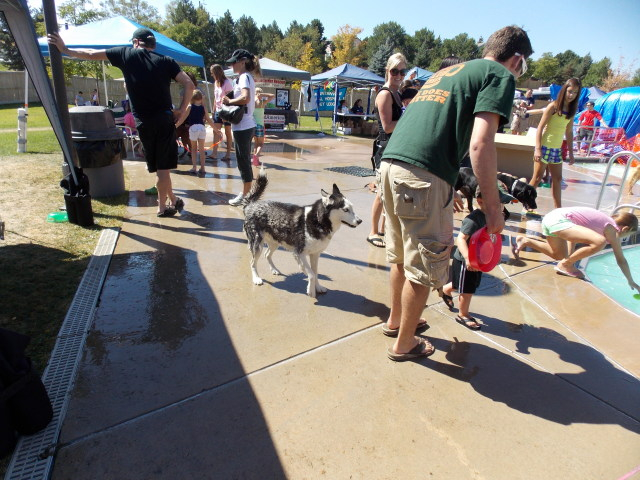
(588,26)
(601,28)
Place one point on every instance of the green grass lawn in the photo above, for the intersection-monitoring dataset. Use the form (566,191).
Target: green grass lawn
(36,116)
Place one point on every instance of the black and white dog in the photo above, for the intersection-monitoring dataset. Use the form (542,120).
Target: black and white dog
(526,194)
(305,230)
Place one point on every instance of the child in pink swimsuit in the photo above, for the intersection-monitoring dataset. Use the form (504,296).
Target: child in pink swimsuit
(584,225)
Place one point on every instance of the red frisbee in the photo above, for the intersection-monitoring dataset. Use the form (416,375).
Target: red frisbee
(484,250)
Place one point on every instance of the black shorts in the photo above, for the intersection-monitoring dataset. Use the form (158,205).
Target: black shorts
(158,137)
(462,279)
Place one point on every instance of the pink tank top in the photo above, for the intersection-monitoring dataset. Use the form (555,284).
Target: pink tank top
(589,217)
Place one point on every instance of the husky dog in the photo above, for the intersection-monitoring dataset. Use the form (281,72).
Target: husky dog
(306,231)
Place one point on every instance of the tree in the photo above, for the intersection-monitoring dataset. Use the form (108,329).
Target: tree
(546,68)
(635,80)
(309,61)
(225,41)
(289,50)
(618,77)
(137,10)
(313,33)
(270,35)
(426,47)
(181,11)
(597,72)
(389,31)
(568,66)
(9,55)
(75,12)
(248,34)
(347,47)
(195,30)
(462,46)
(378,61)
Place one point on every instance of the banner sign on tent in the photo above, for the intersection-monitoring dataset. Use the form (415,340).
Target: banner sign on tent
(270,82)
(327,98)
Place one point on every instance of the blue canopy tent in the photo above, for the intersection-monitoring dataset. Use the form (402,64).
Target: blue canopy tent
(347,75)
(421,74)
(117,32)
(595,93)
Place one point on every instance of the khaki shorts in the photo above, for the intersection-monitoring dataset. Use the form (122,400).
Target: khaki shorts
(419,221)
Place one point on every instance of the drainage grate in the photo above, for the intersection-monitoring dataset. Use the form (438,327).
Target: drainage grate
(33,457)
(353,170)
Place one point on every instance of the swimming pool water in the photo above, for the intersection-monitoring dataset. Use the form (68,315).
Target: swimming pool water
(603,271)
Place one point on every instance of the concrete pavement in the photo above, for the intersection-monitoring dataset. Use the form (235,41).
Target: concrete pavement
(191,371)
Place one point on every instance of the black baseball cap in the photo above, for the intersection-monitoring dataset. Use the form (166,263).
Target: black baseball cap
(145,36)
(239,54)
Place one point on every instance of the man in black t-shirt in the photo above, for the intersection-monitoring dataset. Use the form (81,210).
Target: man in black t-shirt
(148,78)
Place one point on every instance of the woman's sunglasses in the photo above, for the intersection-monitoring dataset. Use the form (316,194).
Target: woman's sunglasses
(394,72)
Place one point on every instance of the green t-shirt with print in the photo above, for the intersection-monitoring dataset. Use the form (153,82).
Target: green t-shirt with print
(435,130)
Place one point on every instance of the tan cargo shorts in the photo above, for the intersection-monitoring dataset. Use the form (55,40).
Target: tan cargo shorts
(419,221)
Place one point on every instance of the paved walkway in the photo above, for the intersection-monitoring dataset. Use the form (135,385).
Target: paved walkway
(191,371)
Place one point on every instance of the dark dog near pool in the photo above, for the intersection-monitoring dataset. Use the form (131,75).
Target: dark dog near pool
(467,184)
(518,187)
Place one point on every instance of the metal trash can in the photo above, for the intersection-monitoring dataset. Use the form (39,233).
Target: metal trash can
(100,147)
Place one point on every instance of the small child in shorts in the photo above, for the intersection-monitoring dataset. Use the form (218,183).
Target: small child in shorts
(262,99)
(196,115)
(464,278)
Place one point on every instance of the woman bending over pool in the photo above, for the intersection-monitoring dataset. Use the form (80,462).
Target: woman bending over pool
(566,227)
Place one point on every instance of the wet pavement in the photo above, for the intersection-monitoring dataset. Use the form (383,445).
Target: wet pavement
(191,371)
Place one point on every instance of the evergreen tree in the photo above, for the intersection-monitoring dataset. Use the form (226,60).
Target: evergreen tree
(426,47)
(270,35)
(225,41)
(181,11)
(248,34)
(378,61)
(389,31)
(9,55)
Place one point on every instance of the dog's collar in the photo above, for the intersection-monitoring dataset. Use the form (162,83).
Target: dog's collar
(513,186)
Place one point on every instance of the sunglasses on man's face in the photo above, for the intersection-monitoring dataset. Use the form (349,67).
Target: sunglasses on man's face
(394,72)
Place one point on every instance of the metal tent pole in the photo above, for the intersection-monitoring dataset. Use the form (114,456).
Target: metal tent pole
(59,88)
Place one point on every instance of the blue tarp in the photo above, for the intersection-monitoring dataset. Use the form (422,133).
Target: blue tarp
(117,32)
(621,108)
(422,75)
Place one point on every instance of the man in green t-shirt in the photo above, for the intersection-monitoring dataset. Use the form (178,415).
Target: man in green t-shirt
(458,110)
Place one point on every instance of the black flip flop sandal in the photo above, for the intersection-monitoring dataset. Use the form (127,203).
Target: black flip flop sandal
(465,322)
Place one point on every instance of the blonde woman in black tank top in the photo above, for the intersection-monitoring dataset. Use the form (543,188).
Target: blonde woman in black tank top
(389,108)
